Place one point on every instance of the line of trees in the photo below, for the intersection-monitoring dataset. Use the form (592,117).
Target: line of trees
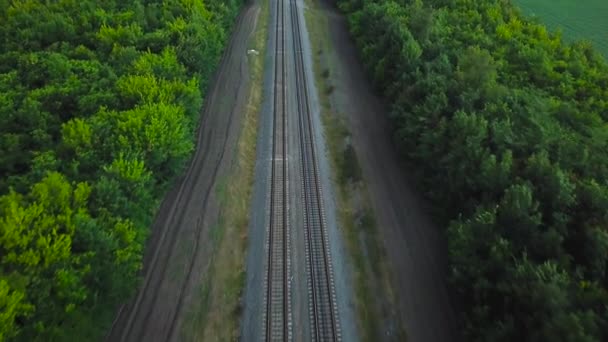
(99,101)
(508,127)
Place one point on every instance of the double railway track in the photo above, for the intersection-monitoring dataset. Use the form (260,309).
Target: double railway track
(323,314)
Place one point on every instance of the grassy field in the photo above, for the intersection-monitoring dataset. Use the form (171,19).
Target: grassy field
(578,19)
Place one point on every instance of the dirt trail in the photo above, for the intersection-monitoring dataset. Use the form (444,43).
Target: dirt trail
(415,247)
(178,252)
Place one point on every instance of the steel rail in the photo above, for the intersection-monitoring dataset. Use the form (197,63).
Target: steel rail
(322,297)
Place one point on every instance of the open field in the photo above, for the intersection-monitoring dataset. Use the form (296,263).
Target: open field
(584,19)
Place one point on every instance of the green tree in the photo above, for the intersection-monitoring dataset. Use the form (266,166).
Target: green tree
(506,124)
(98,101)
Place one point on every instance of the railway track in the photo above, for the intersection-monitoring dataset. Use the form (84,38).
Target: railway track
(278,313)
(323,311)
(323,314)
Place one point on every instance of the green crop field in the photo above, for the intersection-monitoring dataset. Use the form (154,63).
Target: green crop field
(578,19)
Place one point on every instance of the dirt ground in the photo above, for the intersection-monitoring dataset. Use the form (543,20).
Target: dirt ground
(178,252)
(415,248)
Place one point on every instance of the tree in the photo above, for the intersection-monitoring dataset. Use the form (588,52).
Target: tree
(99,101)
(506,124)
(36,244)
(11,306)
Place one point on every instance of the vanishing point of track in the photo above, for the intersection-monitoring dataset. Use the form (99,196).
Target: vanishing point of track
(323,314)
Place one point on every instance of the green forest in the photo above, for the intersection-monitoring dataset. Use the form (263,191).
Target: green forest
(99,103)
(507,125)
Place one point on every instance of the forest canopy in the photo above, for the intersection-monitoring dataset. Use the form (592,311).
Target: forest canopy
(99,101)
(507,126)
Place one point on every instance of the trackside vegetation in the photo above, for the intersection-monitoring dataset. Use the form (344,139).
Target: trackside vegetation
(508,126)
(99,102)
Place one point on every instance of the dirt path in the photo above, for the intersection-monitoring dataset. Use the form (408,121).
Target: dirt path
(416,250)
(177,256)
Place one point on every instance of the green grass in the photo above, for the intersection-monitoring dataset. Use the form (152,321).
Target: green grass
(578,19)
